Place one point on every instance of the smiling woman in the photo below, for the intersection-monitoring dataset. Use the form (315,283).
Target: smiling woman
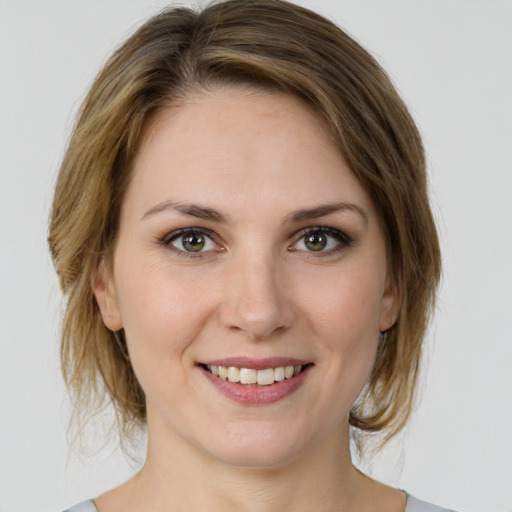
(266,285)
(242,229)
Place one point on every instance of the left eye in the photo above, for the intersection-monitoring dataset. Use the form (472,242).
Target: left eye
(192,241)
(321,240)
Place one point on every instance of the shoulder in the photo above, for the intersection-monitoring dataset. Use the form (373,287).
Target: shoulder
(416,505)
(85,506)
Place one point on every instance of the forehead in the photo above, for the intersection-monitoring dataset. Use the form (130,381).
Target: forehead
(245,144)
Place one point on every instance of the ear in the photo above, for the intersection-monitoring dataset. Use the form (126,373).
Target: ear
(106,297)
(390,304)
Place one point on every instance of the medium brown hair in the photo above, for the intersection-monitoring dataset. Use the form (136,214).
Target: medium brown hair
(263,43)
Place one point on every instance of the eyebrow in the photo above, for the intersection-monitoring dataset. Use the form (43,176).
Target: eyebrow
(206,213)
(326,209)
(194,210)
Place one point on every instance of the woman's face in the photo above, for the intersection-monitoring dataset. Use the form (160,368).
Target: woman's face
(247,248)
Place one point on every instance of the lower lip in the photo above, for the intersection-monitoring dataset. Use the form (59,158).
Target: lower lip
(252,394)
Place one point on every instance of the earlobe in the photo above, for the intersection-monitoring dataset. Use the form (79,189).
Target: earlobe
(391,304)
(106,298)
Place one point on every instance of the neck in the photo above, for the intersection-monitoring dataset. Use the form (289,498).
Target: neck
(178,475)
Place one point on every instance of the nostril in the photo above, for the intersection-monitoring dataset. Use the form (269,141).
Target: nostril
(255,300)
(257,322)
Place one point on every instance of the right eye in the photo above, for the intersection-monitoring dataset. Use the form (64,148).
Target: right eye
(191,241)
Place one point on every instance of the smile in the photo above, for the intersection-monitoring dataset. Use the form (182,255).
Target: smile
(256,381)
(247,376)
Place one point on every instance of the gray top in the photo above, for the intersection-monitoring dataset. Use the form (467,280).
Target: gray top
(413,505)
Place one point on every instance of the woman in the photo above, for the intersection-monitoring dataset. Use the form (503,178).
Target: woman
(242,227)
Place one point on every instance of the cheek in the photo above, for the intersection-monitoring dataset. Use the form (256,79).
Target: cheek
(347,301)
(162,308)
(163,312)
(344,314)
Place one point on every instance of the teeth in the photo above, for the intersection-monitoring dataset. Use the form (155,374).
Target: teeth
(279,373)
(252,376)
(248,376)
(223,372)
(233,374)
(266,377)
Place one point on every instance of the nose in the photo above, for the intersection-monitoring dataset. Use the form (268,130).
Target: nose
(257,301)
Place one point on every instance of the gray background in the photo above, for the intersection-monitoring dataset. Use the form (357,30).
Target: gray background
(451,59)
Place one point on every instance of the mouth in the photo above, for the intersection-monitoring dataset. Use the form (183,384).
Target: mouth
(255,377)
(256,382)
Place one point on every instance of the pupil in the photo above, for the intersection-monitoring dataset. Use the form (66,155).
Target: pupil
(193,243)
(316,242)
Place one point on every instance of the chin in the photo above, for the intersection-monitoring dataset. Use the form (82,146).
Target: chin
(257,457)
(259,447)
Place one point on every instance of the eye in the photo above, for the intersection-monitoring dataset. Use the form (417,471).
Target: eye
(322,240)
(191,241)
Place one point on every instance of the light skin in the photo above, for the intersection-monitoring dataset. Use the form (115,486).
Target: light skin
(244,234)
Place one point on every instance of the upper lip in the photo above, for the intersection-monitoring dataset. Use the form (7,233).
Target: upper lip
(256,364)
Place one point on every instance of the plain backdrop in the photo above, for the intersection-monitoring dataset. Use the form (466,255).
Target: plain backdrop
(451,59)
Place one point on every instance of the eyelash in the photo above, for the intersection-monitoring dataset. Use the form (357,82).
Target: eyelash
(167,240)
(342,239)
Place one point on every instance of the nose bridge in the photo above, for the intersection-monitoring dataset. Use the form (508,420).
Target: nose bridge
(256,301)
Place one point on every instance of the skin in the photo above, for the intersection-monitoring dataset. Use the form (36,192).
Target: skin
(256,290)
